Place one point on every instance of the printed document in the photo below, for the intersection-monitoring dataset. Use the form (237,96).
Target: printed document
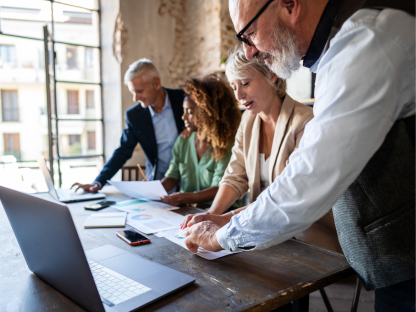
(209,255)
(151,190)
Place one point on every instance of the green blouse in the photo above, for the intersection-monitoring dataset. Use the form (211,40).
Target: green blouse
(194,175)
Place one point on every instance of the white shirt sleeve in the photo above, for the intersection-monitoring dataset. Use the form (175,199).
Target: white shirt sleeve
(365,82)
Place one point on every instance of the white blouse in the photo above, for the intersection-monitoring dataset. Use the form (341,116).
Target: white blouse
(264,171)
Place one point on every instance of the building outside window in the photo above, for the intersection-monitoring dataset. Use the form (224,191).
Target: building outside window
(74,144)
(91,140)
(12,144)
(9,105)
(23,92)
(89,58)
(89,95)
(73,103)
(7,55)
(71,57)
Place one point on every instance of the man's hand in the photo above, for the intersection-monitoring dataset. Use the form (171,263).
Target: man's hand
(89,188)
(192,219)
(203,235)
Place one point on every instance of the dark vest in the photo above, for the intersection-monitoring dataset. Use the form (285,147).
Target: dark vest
(375,217)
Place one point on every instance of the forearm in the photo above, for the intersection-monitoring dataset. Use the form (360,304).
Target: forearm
(225,197)
(227,216)
(203,196)
(169,183)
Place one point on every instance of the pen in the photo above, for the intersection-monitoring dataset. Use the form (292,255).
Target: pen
(141,170)
(183,231)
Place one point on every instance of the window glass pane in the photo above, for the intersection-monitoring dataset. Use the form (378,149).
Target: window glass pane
(90,98)
(74,63)
(9,105)
(75,25)
(80,138)
(90,4)
(25,18)
(80,170)
(72,102)
(78,101)
(23,120)
(22,176)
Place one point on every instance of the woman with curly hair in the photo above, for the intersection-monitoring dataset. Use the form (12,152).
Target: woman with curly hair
(199,161)
(270,131)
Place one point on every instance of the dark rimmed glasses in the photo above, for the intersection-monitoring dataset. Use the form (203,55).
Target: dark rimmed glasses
(240,34)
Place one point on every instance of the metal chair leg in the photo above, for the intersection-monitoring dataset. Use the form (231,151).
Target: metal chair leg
(356,298)
(301,304)
(326,300)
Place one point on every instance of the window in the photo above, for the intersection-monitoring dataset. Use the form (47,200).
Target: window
(73,104)
(12,144)
(8,55)
(74,144)
(71,57)
(89,94)
(89,57)
(91,140)
(10,109)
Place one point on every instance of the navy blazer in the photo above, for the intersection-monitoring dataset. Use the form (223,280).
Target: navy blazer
(139,129)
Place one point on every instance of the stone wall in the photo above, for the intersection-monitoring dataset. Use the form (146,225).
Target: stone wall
(184,38)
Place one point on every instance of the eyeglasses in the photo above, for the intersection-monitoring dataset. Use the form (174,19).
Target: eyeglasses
(239,35)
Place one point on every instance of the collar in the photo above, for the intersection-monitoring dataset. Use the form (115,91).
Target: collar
(167,104)
(322,33)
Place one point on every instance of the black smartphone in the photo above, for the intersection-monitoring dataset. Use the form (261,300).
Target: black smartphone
(100,205)
(133,237)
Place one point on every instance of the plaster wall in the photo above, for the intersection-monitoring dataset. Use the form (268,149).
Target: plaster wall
(111,73)
(183,38)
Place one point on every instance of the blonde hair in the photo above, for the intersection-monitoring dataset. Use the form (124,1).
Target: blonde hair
(239,67)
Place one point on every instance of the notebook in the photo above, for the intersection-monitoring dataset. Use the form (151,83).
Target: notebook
(106,219)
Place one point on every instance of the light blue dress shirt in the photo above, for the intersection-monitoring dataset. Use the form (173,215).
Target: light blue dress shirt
(365,82)
(166,133)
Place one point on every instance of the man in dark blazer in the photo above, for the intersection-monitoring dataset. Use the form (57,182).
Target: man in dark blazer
(154,122)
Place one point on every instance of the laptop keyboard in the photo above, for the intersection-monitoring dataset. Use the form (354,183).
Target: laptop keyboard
(113,287)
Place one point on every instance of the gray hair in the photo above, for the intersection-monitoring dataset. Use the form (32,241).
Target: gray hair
(141,67)
(239,67)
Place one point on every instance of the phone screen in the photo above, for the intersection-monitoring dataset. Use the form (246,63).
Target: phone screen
(133,236)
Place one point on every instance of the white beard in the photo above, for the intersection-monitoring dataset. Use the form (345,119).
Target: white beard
(285,57)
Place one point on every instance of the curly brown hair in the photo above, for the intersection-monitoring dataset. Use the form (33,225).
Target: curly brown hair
(218,116)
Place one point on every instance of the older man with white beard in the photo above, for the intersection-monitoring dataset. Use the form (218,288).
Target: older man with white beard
(357,155)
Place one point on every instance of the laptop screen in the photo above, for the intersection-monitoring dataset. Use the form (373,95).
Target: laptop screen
(42,165)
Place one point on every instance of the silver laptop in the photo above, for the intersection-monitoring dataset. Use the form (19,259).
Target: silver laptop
(64,195)
(102,279)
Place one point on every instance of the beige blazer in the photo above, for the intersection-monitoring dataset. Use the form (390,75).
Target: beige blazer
(243,171)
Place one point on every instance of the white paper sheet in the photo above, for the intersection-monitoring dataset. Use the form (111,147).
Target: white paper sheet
(139,204)
(152,190)
(153,220)
(209,255)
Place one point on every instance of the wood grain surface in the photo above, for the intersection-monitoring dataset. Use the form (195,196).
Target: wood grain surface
(250,281)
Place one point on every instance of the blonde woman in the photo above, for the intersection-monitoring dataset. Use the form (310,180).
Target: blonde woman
(270,130)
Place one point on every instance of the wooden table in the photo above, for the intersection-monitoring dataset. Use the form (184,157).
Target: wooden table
(250,281)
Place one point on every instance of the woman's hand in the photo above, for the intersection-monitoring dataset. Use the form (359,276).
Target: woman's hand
(185,134)
(219,220)
(177,199)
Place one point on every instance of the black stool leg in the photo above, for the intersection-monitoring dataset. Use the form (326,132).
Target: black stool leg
(326,300)
(356,298)
(301,304)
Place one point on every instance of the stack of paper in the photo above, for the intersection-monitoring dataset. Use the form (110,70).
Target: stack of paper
(106,219)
